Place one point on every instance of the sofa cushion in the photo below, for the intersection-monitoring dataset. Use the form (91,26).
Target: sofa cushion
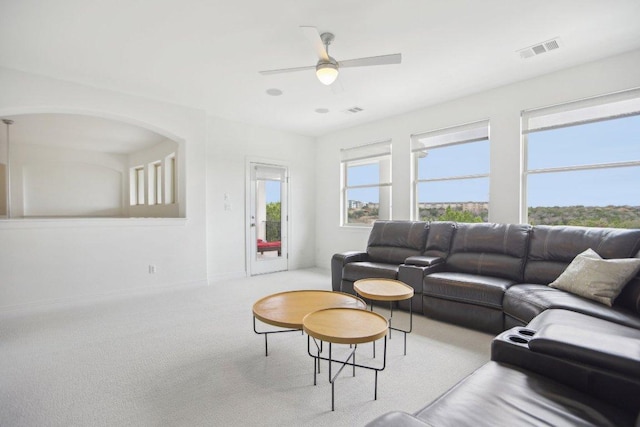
(469,315)
(364,270)
(470,288)
(393,241)
(552,248)
(503,395)
(497,250)
(525,301)
(595,278)
(439,238)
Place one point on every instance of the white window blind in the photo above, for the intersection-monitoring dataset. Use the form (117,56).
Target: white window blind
(471,132)
(617,105)
(368,151)
(268,173)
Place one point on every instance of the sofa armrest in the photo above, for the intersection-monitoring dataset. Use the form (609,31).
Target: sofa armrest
(513,347)
(424,261)
(340,260)
(397,419)
(413,275)
(606,351)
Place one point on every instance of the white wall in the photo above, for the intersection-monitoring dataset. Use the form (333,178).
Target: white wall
(64,182)
(47,260)
(229,146)
(502,106)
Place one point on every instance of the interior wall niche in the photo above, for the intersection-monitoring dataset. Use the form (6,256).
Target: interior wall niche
(78,166)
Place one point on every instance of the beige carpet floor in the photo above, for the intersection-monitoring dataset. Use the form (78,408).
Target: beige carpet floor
(189,357)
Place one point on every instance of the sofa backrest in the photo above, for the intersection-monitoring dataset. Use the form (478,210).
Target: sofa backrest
(488,249)
(439,238)
(394,241)
(630,296)
(552,248)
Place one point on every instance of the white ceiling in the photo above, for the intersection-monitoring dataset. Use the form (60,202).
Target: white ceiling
(207,54)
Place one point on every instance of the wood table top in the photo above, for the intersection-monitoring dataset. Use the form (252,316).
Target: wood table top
(383,289)
(287,309)
(345,325)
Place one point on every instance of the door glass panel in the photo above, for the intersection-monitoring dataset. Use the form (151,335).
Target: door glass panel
(269,213)
(267,216)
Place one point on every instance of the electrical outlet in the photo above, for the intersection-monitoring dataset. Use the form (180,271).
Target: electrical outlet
(152,269)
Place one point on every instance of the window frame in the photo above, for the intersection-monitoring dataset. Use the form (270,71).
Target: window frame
(371,153)
(602,101)
(447,135)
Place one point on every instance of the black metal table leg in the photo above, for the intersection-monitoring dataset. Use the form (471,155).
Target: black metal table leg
(266,334)
(349,361)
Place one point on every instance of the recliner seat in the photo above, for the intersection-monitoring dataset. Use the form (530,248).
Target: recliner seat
(484,261)
(390,243)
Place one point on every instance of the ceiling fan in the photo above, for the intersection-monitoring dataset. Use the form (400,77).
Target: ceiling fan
(327,67)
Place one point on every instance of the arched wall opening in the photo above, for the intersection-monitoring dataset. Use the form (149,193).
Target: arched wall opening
(70,164)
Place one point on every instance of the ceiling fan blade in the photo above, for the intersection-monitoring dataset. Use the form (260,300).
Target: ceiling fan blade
(286,70)
(312,34)
(395,58)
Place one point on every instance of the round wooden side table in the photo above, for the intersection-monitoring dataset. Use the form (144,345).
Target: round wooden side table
(344,326)
(287,309)
(387,290)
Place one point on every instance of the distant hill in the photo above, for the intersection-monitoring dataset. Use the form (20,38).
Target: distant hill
(590,216)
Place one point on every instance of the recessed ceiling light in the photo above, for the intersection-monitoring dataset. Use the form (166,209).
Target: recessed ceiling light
(274,92)
(322,110)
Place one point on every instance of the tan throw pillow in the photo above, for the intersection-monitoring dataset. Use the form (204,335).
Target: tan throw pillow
(595,278)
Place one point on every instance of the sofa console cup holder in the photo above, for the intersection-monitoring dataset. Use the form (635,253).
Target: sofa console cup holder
(517,339)
(520,335)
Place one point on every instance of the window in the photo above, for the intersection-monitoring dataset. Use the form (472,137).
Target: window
(582,162)
(170,179)
(451,173)
(137,186)
(155,183)
(366,183)
(160,185)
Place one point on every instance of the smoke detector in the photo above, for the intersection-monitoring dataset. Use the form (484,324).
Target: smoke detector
(539,48)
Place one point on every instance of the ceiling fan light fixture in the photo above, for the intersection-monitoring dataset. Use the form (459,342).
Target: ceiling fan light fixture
(327,72)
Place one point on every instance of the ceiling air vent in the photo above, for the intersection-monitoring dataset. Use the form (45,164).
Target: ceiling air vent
(353,110)
(539,48)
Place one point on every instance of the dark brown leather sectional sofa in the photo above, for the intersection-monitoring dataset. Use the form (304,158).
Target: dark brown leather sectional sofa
(558,358)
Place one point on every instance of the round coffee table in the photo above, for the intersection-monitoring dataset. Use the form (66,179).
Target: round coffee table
(345,326)
(287,309)
(387,290)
